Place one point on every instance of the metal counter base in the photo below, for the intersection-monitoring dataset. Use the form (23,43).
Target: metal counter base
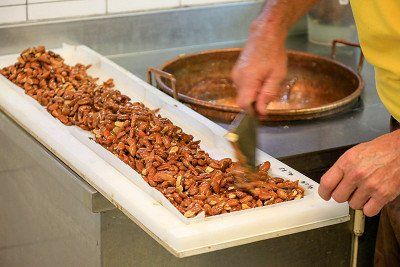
(51,217)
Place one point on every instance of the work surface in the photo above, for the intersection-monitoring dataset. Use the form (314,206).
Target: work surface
(157,216)
(365,121)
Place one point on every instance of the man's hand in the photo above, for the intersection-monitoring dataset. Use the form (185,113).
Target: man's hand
(260,69)
(262,64)
(367,175)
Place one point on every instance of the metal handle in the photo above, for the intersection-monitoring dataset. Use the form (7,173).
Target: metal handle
(333,52)
(165,75)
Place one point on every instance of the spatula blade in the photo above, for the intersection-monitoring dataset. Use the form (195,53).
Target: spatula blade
(244,138)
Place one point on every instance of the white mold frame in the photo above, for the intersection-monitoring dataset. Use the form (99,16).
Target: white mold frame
(122,186)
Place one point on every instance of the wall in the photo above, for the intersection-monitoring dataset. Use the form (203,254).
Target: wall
(22,11)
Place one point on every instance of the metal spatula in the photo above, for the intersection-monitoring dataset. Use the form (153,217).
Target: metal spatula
(243,137)
(243,133)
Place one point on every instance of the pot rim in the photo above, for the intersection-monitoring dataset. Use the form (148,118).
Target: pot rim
(271,112)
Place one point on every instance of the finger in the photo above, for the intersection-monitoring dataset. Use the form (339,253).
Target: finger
(359,198)
(344,189)
(247,92)
(269,92)
(372,207)
(329,181)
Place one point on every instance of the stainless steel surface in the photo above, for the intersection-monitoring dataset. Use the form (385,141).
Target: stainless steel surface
(36,156)
(46,215)
(125,244)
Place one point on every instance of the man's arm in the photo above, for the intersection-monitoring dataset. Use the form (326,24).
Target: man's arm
(262,64)
(367,175)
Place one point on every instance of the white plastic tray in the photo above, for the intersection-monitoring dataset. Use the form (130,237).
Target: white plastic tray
(123,187)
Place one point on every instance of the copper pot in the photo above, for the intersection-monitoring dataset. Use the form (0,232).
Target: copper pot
(323,85)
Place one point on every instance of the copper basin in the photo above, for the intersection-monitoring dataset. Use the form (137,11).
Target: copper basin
(323,86)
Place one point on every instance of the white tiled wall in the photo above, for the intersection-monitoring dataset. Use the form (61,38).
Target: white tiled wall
(12,2)
(17,11)
(43,1)
(12,14)
(62,9)
(129,5)
(204,2)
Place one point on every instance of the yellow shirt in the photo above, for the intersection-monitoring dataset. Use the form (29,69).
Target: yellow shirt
(378,25)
